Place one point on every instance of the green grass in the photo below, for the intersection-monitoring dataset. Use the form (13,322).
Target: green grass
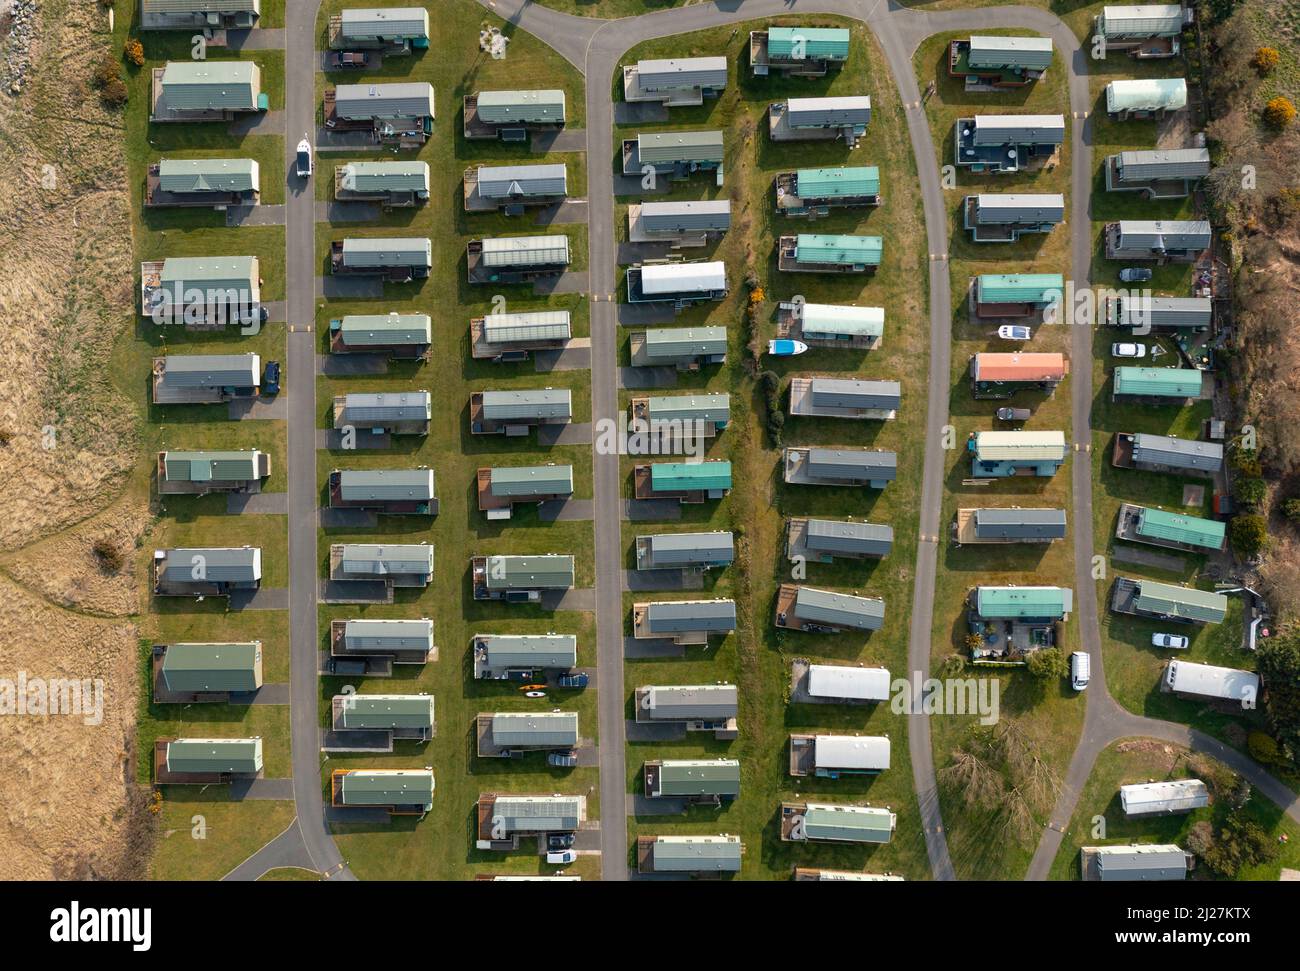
(203,835)
(758,656)
(234,830)
(440,846)
(1051,716)
(1145,760)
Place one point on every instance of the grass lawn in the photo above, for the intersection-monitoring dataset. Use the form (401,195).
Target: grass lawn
(441,845)
(757,657)
(1133,666)
(610,8)
(1147,760)
(203,835)
(290,873)
(1051,716)
(234,830)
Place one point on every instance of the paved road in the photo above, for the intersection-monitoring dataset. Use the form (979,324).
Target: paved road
(300,388)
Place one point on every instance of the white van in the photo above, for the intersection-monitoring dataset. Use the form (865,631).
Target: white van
(1080,670)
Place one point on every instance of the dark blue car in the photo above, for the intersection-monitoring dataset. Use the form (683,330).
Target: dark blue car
(271,379)
(575,680)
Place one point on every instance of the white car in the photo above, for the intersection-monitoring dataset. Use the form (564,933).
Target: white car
(1176,641)
(1128,350)
(1014,332)
(561,856)
(303,161)
(1080,670)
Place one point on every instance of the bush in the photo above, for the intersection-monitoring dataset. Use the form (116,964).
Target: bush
(1265,60)
(106,71)
(6,436)
(1248,534)
(114,93)
(1048,664)
(1263,748)
(1251,493)
(952,665)
(108,553)
(1291,510)
(1239,843)
(1246,461)
(1200,838)
(1278,664)
(133,51)
(1279,113)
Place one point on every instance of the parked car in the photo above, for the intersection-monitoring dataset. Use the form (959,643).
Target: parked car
(263,313)
(1127,349)
(1015,332)
(1080,670)
(271,379)
(575,679)
(560,841)
(562,760)
(345,60)
(303,161)
(1013,414)
(1135,274)
(562,856)
(1177,641)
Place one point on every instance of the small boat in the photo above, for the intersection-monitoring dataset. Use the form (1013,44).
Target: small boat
(535,694)
(786,348)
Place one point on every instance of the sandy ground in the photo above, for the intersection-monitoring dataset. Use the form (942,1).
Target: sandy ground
(69,807)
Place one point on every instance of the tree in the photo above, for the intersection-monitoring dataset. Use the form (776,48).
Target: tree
(106,71)
(133,51)
(1047,664)
(1278,664)
(1291,510)
(1248,534)
(1279,113)
(1265,60)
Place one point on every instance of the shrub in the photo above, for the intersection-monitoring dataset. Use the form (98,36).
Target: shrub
(1248,534)
(1279,113)
(1291,510)
(974,641)
(1239,843)
(1265,60)
(952,665)
(114,93)
(1200,838)
(133,51)
(6,436)
(1246,461)
(1251,492)
(1047,664)
(106,71)
(108,553)
(1263,748)
(1278,664)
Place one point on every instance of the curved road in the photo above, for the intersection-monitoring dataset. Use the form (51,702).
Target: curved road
(595,47)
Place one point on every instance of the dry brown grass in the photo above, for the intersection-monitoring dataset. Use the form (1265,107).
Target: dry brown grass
(69,808)
(67,570)
(65,293)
